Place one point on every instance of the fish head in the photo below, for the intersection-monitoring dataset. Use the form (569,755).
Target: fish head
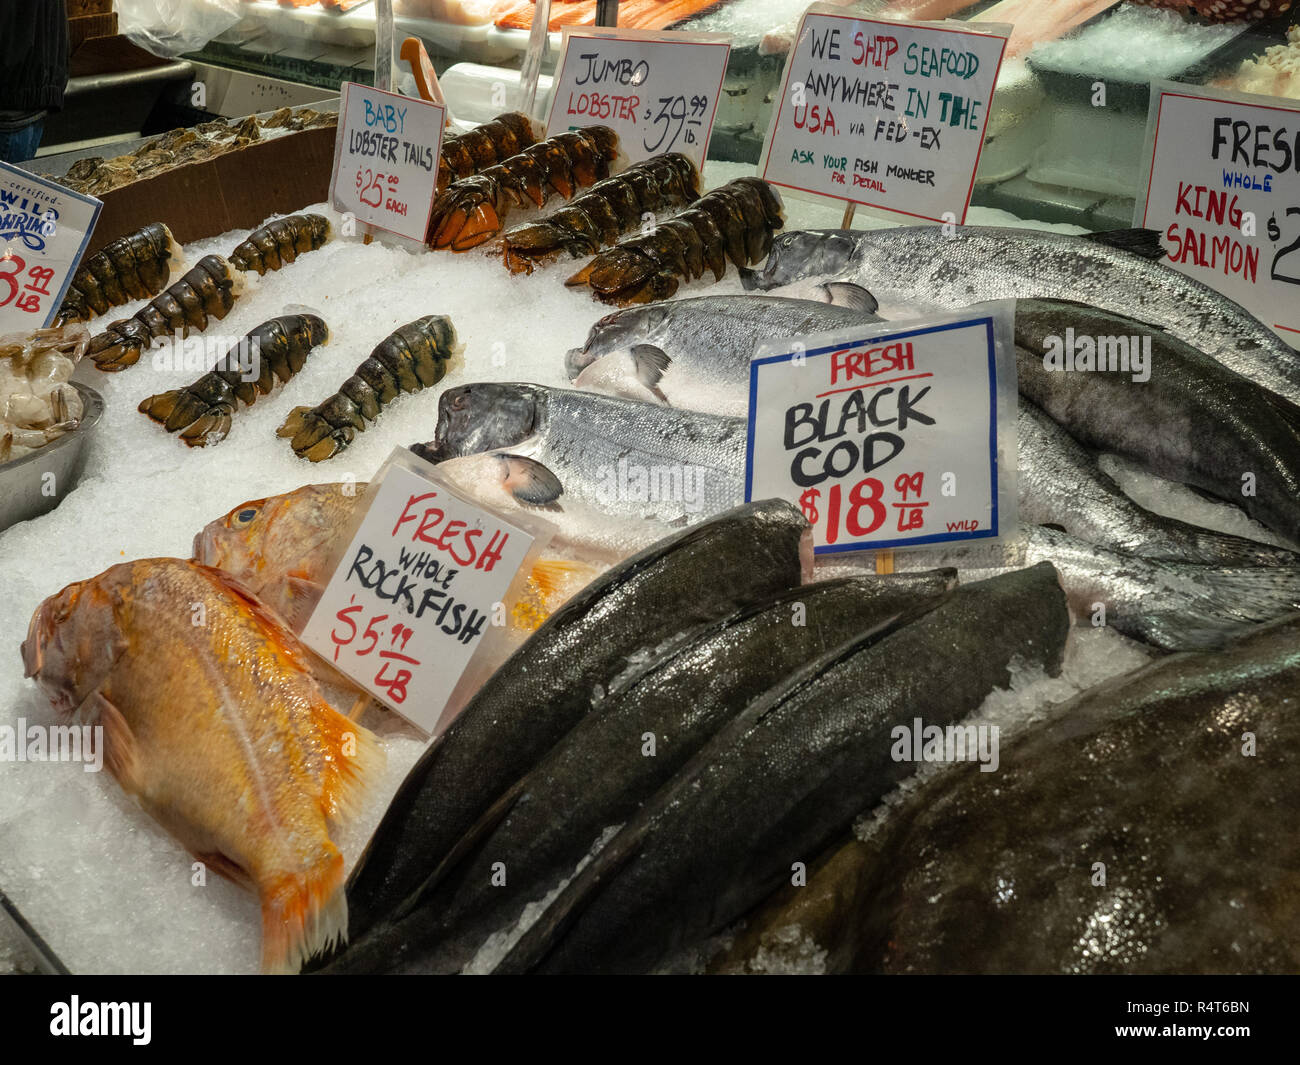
(799,254)
(73,641)
(483,417)
(618,332)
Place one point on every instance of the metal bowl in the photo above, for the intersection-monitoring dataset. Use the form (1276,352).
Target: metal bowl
(23,480)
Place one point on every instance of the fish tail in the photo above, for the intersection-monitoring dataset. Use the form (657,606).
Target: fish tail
(1208,605)
(304,913)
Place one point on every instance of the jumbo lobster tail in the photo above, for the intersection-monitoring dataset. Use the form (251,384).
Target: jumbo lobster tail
(413,357)
(604,212)
(473,209)
(201,412)
(280,241)
(206,292)
(485,146)
(133,267)
(733,222)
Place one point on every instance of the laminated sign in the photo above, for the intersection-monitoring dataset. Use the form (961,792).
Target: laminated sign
(886,114)
(890,435)
(44,229)
(420,588)
(386,159)
(1223,189)
(658,91)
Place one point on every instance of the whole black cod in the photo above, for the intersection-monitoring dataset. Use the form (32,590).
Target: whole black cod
(786,775)
(600,772)
(1179,779)
(658,596)
(1192,420)
(937,267)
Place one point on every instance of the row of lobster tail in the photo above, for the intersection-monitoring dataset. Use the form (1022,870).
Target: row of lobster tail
(281,241)
(485,146)
(413,357)
(134,267)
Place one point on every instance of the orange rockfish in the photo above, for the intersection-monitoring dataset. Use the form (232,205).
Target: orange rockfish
(213,722)
(279,548)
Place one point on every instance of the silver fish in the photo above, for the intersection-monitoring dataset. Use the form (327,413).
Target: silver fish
(922,266)
(629,458)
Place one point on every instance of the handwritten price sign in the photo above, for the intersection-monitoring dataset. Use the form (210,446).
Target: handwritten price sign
(886,114)
(415,594)
(386,159)
(1223,186)
(657,91)
(890,439)
(44,229)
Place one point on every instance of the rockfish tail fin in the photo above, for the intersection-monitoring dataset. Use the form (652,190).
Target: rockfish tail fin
(304,912)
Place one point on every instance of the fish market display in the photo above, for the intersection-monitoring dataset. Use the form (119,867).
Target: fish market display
(281,549)
(633,459)
(1225,10)
(133,267)
(483,146)
(652,601)
(599,773)
(280,241)
(695,353)
(604,212)
(201,412)
(204,293)
(473,209)
(632,14)
(218,730)
(37,404)
(1147,827)
(413,357)
(735,221)
(1033,21)
(924,268)
(786,775)
(1191,421)
(1275,72)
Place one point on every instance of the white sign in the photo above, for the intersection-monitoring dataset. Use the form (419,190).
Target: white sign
(890,115)
(386,159)
(658,91)
(1223,187)
(413,596)
(893,435)
(44,229)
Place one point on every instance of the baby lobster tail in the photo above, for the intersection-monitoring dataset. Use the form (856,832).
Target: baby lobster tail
(133,267)
(733,222)
(413,357)
(485,146)
(201,412)
(280,241)
(473,209)
(206,292)
(604,212)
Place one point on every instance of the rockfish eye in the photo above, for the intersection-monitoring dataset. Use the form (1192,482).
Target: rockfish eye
(245,516)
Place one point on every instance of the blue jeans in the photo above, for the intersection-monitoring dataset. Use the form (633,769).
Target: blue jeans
(19,145)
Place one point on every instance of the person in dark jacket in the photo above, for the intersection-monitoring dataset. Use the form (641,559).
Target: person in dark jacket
(33,72)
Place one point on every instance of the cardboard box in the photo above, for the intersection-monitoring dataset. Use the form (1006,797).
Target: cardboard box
(237,190)
(83,27)
(108,55)
(77,8)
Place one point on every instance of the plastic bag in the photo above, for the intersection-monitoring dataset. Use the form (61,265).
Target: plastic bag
(169,28)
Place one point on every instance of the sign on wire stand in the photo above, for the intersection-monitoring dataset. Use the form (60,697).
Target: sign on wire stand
(888,115)
(890,435)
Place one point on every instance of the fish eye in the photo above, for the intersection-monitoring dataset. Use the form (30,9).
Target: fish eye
(245,516)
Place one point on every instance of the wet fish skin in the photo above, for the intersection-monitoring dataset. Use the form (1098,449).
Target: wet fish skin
(922,266)
(598,774)
(602,448)
(1145,773)
(1061,484)
(1192,421)
(546,687)
(785,776)
(707,341)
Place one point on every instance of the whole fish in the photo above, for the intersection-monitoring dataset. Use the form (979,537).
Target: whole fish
(281,549)
(1147,827)
(1171,605)
(218,730)
(600,772)
(635,459)
(695,353)
(643,606)
(927,268)
(786,775)
(1061,484)
(1190,420)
